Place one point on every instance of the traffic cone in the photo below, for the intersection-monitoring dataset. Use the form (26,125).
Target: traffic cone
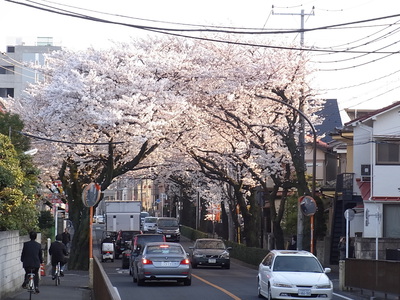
(42,270)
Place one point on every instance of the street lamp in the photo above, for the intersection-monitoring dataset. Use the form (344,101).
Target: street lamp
(314,166)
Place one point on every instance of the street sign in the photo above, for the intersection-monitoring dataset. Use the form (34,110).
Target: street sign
(349,214)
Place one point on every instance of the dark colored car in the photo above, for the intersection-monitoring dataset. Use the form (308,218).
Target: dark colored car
(123,241)
(170,228)
(210,252)
(138,243)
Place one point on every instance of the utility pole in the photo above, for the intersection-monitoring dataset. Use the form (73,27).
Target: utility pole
(300,216)
(301,14)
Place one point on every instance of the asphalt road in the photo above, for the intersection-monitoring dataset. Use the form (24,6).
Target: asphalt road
(238,282)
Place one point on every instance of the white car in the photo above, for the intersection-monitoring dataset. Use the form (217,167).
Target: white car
(291,274)
(150,224)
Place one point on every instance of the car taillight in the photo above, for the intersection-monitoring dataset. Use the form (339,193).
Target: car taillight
(185,261)
(146,261)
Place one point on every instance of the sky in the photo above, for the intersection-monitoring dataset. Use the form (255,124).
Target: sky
(357,64)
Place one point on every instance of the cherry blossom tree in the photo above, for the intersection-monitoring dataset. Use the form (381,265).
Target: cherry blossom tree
(107,113)
(98,115)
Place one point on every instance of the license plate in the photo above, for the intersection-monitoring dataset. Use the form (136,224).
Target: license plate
(166,264)
(167,235)
(304,292)
(212,260)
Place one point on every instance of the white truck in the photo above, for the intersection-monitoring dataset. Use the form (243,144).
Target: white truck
(122,215)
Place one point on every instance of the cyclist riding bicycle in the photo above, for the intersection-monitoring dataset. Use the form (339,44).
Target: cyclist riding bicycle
(31,258)
(58,252)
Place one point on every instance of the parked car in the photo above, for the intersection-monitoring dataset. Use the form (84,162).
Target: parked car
(210,252)
(291,274)
(150,224)
(170,228)
(163,261)
(123,241)
(138,243)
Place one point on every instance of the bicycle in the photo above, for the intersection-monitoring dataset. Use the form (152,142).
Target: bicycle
(31,284)
(57,274)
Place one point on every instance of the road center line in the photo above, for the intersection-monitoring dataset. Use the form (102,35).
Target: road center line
(217,287)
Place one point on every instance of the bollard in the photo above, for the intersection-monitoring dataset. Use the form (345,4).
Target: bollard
(342,268)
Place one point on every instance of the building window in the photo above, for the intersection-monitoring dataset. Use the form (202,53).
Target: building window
(388,153)
(391,221)
(6,69)
(4,92)
(10,49)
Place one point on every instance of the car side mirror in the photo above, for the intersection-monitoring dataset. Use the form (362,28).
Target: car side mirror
(229,248)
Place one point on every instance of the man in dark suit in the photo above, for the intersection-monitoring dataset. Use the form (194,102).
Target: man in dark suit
(31,258)
(58,252)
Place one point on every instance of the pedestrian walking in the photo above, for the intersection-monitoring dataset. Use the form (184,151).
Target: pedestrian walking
(31,258)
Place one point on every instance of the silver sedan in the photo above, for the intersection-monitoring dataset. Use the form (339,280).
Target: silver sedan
(163,261)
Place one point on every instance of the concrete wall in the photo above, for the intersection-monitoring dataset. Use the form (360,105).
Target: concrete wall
(365,247)
(11,271)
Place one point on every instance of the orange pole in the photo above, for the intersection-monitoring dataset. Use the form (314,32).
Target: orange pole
(312,234)
(90,231)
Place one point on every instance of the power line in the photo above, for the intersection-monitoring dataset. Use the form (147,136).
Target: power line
(171,31)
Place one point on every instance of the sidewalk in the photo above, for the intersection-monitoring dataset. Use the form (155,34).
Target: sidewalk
(74,285)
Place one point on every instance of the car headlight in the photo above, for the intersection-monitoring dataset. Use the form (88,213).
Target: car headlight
(224,254)
(284,285)
(159,231)
(177,231)
(198,255)
(324,286)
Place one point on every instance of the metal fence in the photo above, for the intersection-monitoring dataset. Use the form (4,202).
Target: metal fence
(374,275)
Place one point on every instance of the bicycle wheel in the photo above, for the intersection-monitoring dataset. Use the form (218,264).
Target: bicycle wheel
(57,275)
(31,286)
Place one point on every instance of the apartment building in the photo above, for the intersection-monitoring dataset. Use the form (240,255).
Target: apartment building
(15,62)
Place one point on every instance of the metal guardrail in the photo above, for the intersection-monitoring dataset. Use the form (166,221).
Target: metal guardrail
(374,275)
(102,286)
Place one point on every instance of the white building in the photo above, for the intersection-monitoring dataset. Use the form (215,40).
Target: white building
(15,74)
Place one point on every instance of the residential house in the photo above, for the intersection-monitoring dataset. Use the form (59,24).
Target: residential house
(373,144)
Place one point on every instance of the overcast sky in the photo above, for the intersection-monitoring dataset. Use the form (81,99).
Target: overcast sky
(359,79)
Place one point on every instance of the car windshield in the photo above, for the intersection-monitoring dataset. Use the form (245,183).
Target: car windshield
(168,223)
(150,220)
(296,264)
(210,245)
(127,235)
(164,249)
